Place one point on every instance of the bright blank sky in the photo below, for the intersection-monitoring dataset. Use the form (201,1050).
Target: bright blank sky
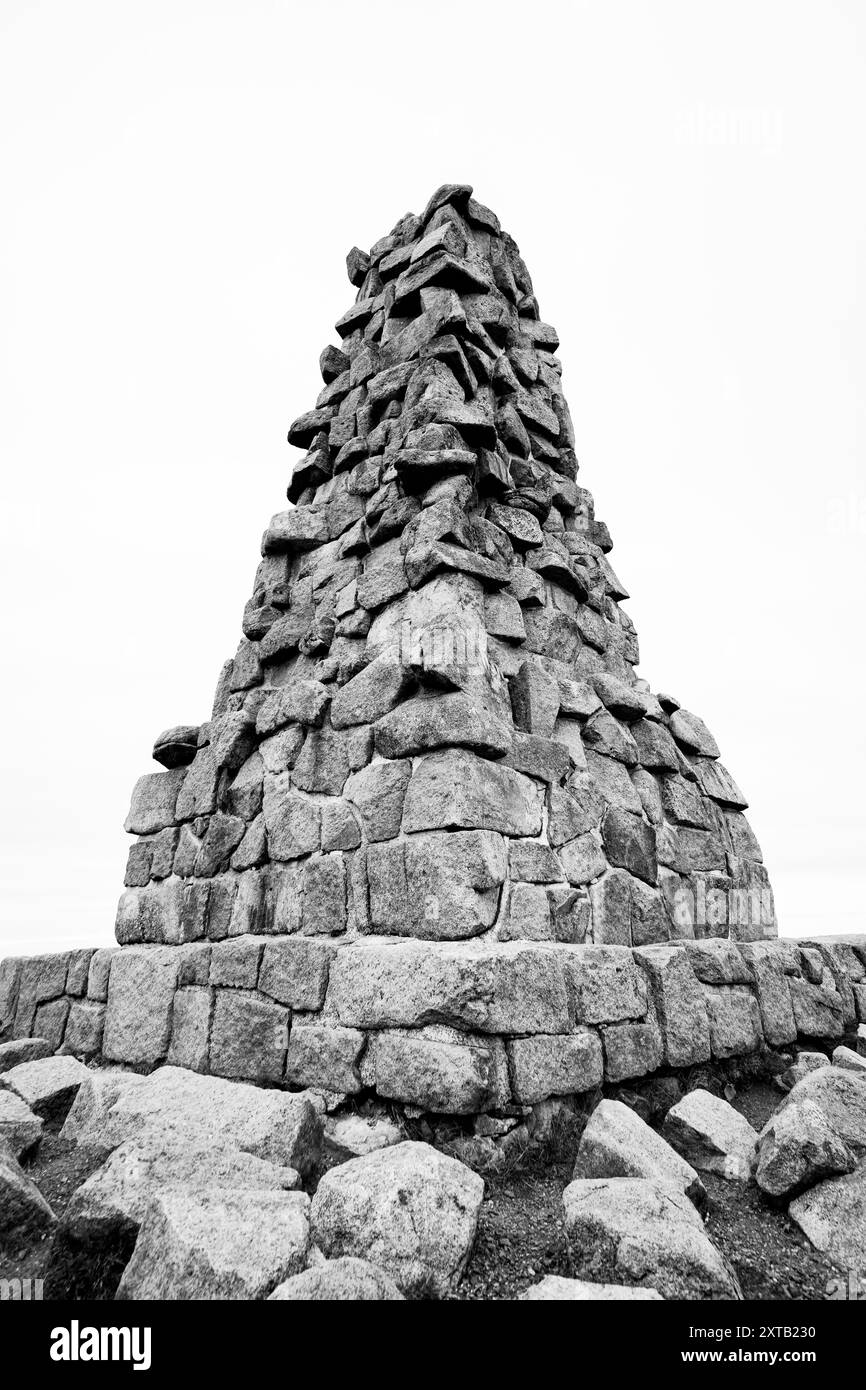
(181,184)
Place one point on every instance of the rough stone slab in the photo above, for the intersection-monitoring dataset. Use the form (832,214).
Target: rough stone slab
(20,1127)
(409,1209)
(617,1143)
(294,971)
(840,1095)
(342,1280)
(23,1209)
(633,1231)
(324,1056)
(438,1069)
(680,1003)
(357,1134)
(86,1120)
(508,987)
(848,1059)
(605,985)
(218,1244)
(437,885)
(249,1037)
(556,1288)
(455,789)
(797,1148)
(115,1198)
(712,1135)
(833,1217)
(140,996)
(545,1065)
(48,1085)
(271,1124)
(19,1050)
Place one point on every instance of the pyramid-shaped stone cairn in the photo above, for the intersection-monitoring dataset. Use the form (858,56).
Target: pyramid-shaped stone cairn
(432,786)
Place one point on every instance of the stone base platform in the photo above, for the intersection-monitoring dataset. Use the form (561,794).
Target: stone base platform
(452,1028)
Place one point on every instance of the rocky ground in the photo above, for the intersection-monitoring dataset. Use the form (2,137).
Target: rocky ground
(522,1237)
(522,1230)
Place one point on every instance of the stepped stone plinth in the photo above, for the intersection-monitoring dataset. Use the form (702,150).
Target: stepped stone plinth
(437,839)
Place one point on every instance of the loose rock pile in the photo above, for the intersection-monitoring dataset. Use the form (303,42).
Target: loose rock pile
(209,1189)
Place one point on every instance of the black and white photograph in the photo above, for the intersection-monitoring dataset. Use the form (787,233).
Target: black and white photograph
(434,561)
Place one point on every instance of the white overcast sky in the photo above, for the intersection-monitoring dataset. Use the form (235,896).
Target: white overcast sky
(180,184)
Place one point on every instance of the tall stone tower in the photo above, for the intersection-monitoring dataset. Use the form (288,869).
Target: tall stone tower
(432,785)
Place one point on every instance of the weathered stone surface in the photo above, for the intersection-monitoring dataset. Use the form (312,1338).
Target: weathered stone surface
(438,1069)
(632,1049)
(556,1288)
(797,1148)
(116,1197)
(140,996)
(712,1135)
(23,1209)
(840,1096)
(249,1037)
(455,789)
(358,1134)
(217,1244)
(734,1019)
(19,1050)
(605,985)
(409,1209)
(848,1059)
(833,1217)
(84,1028)
(438,886)
(617,1143)
(153,802)
(20,1127)
(508,987)
(680,1003)
(93,1102)
(693,734)
(208,1111)
(294,971)
(630,843)
(324,1056)
(455,719)
(545,1065)
(631,1230)
(378,792)
(534,699)
(347,1279)
(48,1085)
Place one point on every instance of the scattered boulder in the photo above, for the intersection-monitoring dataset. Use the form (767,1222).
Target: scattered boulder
(95,1097)
(797,1148)
(556,1288)
(833,1217)
(275,1125)
(357,1135)
(633,1231)
(336,1281)
(805,1062)
(712,1135)
(23,1209)
(217,1244)
(48,1085)
(114,1199)
(840,1095)
(848,1059)
(20,1128)
(409,1209)
(617,1143)
(19,1050)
